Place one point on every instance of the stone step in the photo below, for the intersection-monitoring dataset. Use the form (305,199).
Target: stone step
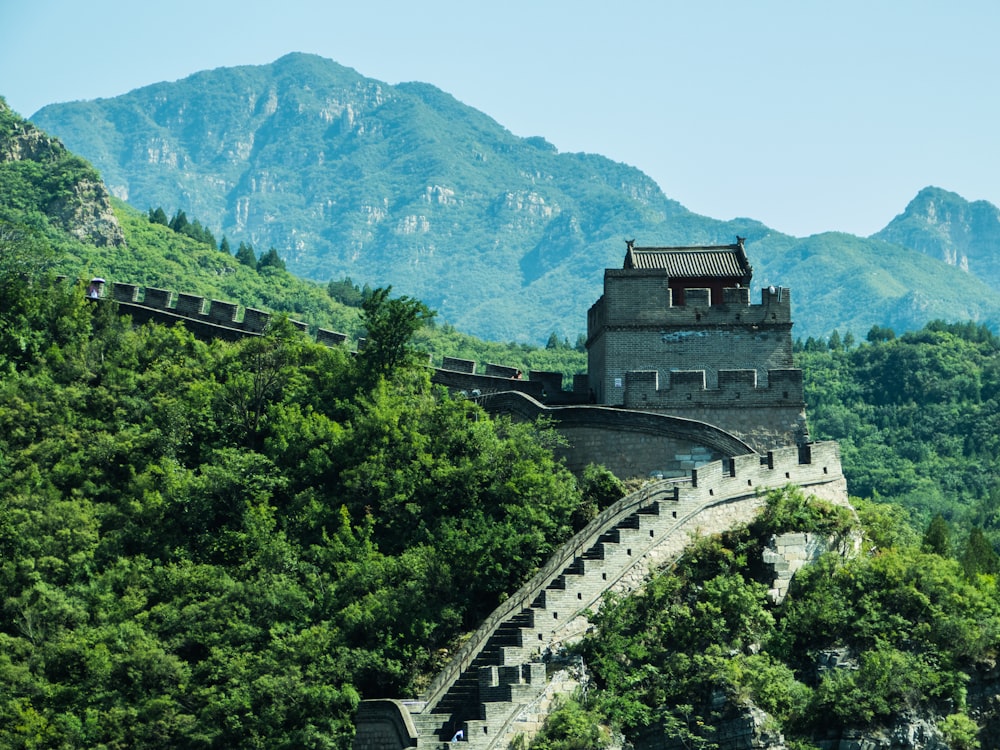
(523,637)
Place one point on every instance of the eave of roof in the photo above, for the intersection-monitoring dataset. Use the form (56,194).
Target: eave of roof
(710,261)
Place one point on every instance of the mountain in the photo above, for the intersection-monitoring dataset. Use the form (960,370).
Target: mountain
(504,236)
(945,226)
(56,216)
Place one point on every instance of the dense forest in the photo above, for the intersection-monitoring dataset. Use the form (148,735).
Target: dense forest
(917,417)
(227,545)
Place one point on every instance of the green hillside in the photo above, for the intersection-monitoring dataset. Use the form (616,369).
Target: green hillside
(853,284)
(405,186)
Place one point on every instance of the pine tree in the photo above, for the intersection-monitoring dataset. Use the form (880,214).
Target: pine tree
(245,255)
(180,221)
(937,539)
(980,557)
(270,259)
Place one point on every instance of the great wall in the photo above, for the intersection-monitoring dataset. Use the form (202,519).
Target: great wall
(497,686)
(688,383)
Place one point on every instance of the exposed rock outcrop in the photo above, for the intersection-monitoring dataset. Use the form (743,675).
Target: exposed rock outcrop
(86,214)
(81,204)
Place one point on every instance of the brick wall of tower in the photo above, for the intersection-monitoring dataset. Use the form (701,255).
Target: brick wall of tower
(697,360)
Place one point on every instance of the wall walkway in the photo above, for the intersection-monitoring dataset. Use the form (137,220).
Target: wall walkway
(493,685)
(629,443)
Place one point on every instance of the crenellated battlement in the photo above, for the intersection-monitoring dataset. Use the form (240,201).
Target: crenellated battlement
(206,317)
(685,388)
(211,318)
(642,298)
(460,376)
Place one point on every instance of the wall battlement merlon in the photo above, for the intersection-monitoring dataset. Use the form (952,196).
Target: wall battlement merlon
(782,385)
(804,465)
(222,319)
(625,306)
(194,307)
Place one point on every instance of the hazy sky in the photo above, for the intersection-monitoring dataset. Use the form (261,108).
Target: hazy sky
(808,116)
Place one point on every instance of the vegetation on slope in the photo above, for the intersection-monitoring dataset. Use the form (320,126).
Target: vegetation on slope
(228,545)
(703,643)
(159,257)
(916,417)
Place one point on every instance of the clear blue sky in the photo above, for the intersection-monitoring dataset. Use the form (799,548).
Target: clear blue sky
(809,116)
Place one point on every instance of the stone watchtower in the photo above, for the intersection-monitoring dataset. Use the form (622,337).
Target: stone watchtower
(675,332)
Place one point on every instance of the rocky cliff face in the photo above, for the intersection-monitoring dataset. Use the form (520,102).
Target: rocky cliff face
(77,200)
(87,215)
(945,226)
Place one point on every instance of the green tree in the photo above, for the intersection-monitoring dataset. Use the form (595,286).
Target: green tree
(937,538)
(270,259)
(24,255)
(878,334)
(179,222)
(345,291)
(158,216)
(979,556)
(246,256)
(390,324)
(260,371)
(600,489)
(960,732)
(570,726)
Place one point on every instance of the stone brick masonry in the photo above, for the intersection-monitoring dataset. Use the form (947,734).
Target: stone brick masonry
(494,686)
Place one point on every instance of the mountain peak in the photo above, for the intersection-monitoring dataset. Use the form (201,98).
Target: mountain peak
(946,226)
(81,205)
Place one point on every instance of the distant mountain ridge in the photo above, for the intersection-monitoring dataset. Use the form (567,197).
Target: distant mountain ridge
(504,236)
(945,226)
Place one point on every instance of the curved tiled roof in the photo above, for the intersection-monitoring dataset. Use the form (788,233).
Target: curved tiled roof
(710,261)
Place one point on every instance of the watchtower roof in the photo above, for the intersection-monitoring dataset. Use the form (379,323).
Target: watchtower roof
(701,262)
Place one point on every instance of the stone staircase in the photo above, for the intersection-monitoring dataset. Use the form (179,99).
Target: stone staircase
(497,685)
(509,671)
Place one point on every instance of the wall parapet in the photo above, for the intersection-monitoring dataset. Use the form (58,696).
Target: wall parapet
(518,404)
(221,319)
(384,723)
(784,388)
(217,318)
(653,305)
(717,483)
